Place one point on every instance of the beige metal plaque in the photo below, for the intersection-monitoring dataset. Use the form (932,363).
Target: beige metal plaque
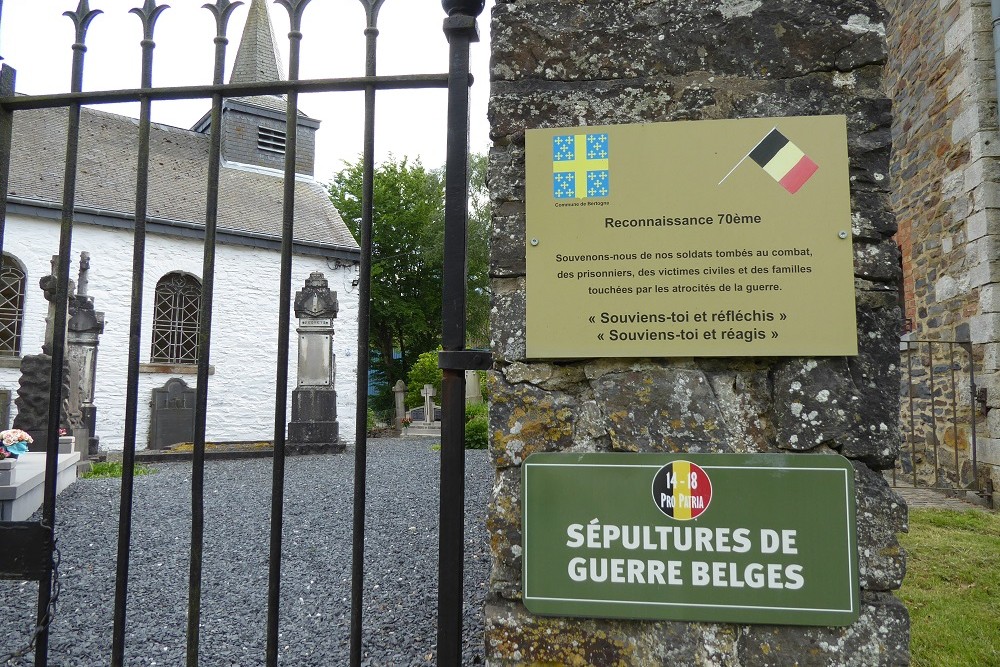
(695,238)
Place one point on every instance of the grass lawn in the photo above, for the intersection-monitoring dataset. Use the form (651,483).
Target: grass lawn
(952,587)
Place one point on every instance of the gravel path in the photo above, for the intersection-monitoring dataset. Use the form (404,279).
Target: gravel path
(401,563)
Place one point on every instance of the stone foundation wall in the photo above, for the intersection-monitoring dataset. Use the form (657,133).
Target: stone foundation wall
(567,63)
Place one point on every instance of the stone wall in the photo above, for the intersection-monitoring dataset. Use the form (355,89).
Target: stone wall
(567,63)
(944,171)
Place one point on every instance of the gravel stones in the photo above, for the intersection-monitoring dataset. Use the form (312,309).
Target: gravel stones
(401,555)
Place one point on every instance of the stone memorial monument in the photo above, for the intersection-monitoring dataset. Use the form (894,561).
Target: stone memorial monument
(566,64)
(399,396)
(82,337)
(33,387)
(314,426)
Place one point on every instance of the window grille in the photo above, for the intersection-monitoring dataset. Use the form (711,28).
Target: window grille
(176,317)
(271,140)
(12,282)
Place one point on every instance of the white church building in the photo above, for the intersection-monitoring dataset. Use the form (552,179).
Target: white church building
(245,305)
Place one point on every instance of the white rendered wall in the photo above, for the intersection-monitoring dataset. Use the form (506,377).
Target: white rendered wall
(244,326)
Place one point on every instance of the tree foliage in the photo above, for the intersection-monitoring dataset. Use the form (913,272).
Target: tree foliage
(408,254)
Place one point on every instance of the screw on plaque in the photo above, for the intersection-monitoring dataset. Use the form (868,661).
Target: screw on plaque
(842,235)
(534,241)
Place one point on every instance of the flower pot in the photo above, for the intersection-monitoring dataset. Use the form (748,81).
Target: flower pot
(7,471)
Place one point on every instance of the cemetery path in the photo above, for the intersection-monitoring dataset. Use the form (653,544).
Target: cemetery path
(401,563)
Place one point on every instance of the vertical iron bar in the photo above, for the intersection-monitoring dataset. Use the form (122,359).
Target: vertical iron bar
(954,411)
(967,346)
(148,14)
(81,19)
(364,325)
(7,76)
(295,9)
(222,10)
(913,427)
(934,435)
(461,31)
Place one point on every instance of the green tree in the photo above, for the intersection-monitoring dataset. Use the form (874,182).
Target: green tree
(408,256)
(408,215)
(478,321)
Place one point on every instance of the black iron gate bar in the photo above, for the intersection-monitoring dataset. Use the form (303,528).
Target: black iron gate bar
(35,543)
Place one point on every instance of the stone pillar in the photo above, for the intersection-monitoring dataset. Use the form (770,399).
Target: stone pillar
(567,64)
(314,424)
(399,393)
(82,337)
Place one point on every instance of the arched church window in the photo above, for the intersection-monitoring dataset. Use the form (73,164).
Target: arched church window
(12,282)
(176,316)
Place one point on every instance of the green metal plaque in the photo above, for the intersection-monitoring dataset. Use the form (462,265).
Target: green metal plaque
(760,538)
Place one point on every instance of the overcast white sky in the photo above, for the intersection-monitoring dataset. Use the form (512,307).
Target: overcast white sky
(35,39)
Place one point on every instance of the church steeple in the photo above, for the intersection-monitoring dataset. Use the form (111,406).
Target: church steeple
(257,59)
(254,132)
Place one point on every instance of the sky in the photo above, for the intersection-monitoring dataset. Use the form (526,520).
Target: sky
(36,40)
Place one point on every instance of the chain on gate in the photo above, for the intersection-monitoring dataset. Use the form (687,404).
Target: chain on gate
(36,541)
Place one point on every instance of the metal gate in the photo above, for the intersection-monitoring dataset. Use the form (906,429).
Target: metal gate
(938,415)
(29,552)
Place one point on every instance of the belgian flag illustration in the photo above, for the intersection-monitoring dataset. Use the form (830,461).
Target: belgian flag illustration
(682,490)
(784,161)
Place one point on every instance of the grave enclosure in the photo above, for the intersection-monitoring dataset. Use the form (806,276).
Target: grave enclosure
(564,64)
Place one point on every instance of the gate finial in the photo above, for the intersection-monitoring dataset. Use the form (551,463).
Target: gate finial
(148,14)
(222,10)
(371,10)
(81,19)
(295,9)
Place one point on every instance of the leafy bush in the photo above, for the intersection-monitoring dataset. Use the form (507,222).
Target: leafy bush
(424,371)
(371,421)
(476,410)
(477,427)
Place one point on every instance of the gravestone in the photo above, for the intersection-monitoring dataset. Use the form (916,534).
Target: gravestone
(4,409)
(399,394)
(33,386)
(314,425)
(428,393)
(473,392)
(172,414)
(566,64)
(82,336)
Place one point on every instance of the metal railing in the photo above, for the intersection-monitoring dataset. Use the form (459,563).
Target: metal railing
(31,545)
(938,418)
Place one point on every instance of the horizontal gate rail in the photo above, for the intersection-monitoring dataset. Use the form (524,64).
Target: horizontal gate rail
(343,84)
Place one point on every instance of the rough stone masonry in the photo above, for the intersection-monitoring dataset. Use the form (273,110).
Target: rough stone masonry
(569,63)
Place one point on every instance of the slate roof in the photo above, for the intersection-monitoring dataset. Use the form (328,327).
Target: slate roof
(250,201)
